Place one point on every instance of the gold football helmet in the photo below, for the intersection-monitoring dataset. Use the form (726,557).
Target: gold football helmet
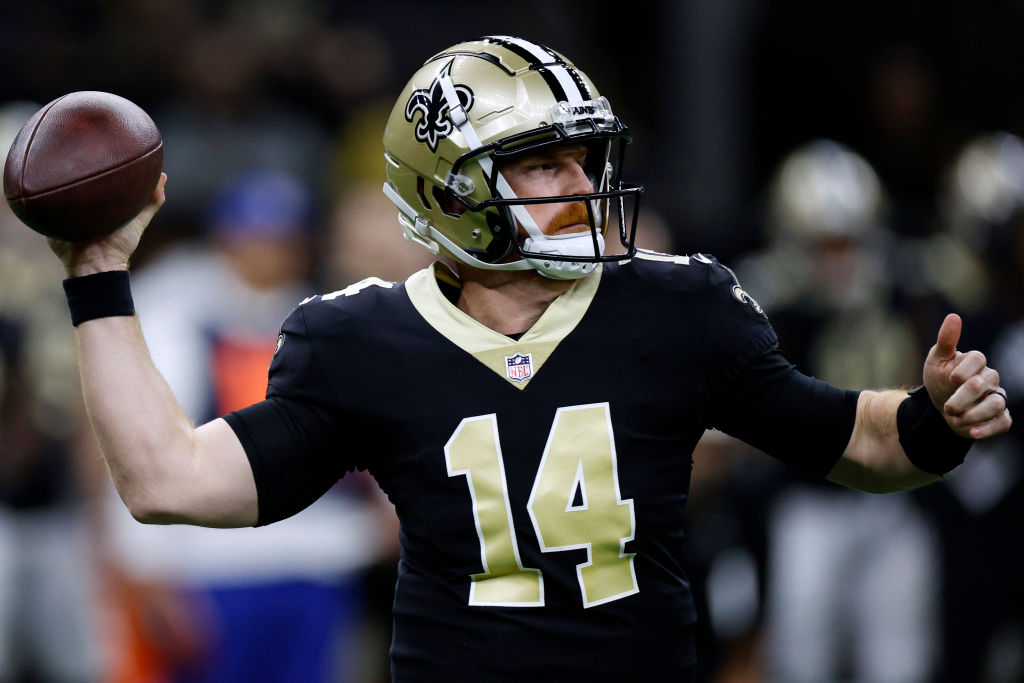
(478,104)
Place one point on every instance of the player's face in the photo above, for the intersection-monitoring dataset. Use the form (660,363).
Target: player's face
(557,171)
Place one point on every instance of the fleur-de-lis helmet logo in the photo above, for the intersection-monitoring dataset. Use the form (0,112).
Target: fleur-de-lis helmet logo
(435,124)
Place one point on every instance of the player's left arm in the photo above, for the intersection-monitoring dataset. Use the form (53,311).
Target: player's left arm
(886,454)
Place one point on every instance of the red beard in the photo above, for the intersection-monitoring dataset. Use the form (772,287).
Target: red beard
(572,214)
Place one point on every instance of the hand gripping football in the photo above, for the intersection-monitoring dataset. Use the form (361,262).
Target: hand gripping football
(83,166)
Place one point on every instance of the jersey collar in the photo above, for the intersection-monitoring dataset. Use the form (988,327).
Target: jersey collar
(516,361)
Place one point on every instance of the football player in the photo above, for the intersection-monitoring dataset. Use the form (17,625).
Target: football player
(530,412)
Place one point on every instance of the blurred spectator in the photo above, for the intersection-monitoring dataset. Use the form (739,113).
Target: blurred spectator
(48,606)
(223,119)
(274,603)
(365,239)
(851,577)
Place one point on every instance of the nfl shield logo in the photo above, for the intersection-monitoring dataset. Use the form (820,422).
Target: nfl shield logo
(519,367)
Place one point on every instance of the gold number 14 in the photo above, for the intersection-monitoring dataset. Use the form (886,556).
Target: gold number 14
(575,503)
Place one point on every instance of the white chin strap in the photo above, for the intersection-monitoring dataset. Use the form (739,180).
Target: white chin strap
(575,244)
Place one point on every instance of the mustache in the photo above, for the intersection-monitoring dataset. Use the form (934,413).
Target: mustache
(572,214)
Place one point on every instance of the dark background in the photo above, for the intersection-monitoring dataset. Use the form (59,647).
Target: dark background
(716,91)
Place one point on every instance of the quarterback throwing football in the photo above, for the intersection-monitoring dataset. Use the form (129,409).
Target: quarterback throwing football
(530,412)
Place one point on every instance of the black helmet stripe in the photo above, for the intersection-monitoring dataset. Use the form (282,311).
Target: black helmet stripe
(556,87)
(584,90)
(565,83)
(535,55)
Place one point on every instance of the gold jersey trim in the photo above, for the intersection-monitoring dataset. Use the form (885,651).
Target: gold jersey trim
(493,348)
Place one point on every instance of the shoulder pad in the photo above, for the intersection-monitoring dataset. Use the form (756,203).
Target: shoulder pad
(669,271)
(328,311)
(351,290)
(721,277)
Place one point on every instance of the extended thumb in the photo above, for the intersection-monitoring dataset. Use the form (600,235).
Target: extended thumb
(949,336)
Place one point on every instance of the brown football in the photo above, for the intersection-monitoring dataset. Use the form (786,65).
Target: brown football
(83,166)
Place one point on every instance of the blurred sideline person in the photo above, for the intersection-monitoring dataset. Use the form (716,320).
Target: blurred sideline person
(851,580)
(361,241)
(530,413)
(268,604)
(983,609)
(49,472)
(981,208)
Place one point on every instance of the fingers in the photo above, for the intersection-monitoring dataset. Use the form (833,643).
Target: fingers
(949,336)
(997,425)
(974,387)
(158,193)
(155,202)
(968,365)
(978,407)
(114,250)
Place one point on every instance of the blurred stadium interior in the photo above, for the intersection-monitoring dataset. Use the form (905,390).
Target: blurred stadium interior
(925,102)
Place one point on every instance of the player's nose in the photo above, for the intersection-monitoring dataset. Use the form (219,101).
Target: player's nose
(579,180)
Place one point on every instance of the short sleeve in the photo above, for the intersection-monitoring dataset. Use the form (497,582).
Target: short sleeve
(295,370)
(292,449)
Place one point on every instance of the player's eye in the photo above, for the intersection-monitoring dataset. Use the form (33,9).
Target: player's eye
(540,166)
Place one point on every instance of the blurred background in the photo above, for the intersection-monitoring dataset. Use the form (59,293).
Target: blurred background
(857,163)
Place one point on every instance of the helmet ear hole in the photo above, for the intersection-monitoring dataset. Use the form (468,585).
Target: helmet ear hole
(448,203)
(501,245)
(422,196)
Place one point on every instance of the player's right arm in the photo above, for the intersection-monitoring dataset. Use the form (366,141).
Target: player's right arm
(165,469)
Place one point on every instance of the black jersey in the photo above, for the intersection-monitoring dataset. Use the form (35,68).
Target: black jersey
(541,482)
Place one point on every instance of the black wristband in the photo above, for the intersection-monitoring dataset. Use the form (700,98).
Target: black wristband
(100,295)
(926,438)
